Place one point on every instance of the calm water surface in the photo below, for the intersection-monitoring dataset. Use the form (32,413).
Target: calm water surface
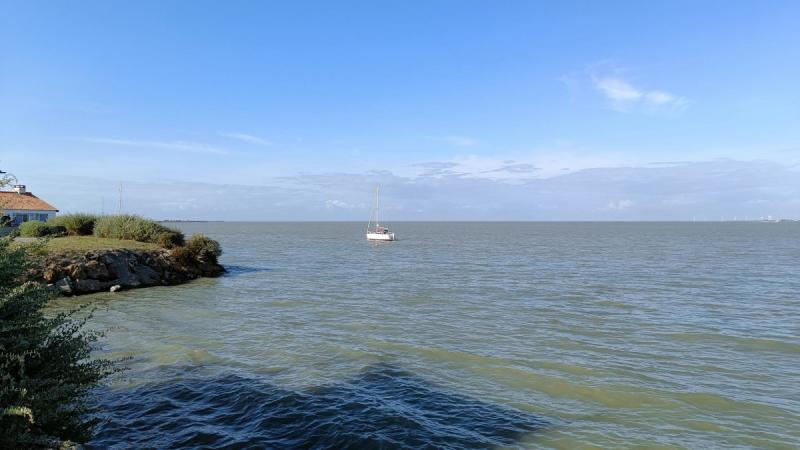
(499,335)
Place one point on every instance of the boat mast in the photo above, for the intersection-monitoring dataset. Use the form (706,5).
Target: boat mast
(374,212)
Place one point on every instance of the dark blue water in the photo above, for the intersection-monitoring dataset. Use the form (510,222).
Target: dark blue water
(384,407)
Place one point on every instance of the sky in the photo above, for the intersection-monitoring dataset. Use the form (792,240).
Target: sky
(460,110)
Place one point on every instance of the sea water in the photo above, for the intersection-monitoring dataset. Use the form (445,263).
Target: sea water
(464,335)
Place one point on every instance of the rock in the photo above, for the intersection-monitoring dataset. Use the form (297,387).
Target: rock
(64,285)
(87,286)
(211,269)
(147,275)
(76,271)
(118,269)
(114,270)
(97,270)
(52,273)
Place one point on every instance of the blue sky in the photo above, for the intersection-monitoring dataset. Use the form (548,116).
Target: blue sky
(470,110)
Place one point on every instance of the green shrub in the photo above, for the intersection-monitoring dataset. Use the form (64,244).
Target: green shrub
(182,255)
(131,227)
(46,369)
(57,230)
(204,247)
(34,229)
(170,239)
(76,224)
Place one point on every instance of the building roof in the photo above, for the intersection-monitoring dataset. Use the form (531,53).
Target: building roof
(26,201)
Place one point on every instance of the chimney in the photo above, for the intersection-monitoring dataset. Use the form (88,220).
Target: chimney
(19,189)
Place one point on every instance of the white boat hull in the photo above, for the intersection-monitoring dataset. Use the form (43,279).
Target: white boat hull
(380,236)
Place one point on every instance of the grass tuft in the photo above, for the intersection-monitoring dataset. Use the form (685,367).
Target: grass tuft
(133,228)
(35,228)
(80,244)
(77,224)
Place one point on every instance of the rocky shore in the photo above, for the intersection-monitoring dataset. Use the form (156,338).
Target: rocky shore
(113,270)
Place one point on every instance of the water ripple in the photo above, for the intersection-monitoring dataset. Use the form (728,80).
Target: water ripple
(383,407)
(623,334)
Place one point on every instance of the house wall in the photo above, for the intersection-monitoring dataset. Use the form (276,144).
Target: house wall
(26,215)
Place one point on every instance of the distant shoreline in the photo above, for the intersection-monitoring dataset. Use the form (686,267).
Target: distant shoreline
(489,221)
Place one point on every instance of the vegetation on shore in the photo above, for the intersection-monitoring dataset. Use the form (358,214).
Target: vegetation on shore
(137,228)
(199,247)
(122,227)
(71,244)
(90,232)
(46,371)
(75,224)
(92,254)
(40,229)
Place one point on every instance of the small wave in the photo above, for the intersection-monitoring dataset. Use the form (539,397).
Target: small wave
(720,403)
(611,396)
(752,343)
(614,304)
(234,270)
(384,407)
(172,354)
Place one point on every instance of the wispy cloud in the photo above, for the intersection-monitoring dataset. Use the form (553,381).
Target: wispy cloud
(517,167)
(624,96)
(245,138)
(616,89)
(437,168)
(332,204)
(677,191)
(180,146)
(456,140)
(514,167)
(620,205)
(615,85)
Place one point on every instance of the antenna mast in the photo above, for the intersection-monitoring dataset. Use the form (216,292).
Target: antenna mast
(119,208)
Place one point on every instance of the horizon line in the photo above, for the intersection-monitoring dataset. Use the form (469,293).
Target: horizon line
(486,221)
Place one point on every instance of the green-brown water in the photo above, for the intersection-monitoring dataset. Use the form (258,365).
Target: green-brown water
(563,335)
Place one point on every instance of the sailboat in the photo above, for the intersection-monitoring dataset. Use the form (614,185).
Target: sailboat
(376,231)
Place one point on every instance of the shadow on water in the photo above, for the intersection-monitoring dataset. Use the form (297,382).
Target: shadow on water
(232,270)
(384,407)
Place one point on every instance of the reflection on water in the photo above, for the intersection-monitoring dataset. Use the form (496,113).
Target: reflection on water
(383,407)
(234,270)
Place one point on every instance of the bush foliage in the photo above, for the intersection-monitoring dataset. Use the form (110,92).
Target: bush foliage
(198,247)
(170,239)
(40,229)
(76,224)
(203,247)
(128,227)
(34,229)
(132,227)
(183,255)
(45,367)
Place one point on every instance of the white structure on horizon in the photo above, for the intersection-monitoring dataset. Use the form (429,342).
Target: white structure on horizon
(22,206)
(376,231)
